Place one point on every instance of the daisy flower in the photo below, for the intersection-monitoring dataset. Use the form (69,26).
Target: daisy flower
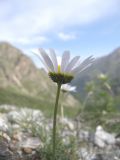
(68,88)
(65,71)
(61,73)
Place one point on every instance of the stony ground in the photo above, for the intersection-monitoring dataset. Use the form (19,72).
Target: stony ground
(24,131)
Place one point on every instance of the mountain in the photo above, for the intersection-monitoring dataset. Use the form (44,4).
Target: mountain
(17,71)
(109,65)
(21,81)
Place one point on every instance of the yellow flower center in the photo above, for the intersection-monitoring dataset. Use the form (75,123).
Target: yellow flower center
(59,68)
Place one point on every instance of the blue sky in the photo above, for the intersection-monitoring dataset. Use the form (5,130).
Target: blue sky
(85,27)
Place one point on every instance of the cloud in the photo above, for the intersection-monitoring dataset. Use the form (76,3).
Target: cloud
(26,22)
(66,37)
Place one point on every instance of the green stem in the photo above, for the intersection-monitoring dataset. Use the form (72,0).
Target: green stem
(64,95)
(54,120)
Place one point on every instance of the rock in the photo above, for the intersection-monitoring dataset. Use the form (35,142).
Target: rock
(117,142)
(15,127)
(25,116)
(84,135)
(84,154)
(103,138)
(68,123)
(13,147)
(112,155)
(117,137)
(5,136)
(7,108)
(5,154)
(98,157)
(13,116)
(3,125)
(31,142)
(27,150)
(17,136)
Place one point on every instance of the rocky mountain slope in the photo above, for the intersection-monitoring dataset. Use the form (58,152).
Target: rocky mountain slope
(18,71)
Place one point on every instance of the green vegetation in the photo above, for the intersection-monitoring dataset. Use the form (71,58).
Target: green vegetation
(13,97)
(101,106)
(63,151)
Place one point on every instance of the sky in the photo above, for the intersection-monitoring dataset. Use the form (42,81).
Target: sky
(84,27)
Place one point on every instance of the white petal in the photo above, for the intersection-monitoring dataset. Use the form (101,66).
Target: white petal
(40,58)
(59,60)
(85,64)
(54,59)
(65,60)
(46,59)
(72,64)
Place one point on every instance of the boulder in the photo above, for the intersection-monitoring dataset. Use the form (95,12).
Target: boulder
(103,138)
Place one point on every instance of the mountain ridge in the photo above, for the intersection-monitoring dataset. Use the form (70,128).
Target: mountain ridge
(108,65)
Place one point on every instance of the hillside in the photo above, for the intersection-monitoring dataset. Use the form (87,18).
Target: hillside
(18,71)
(109,65)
